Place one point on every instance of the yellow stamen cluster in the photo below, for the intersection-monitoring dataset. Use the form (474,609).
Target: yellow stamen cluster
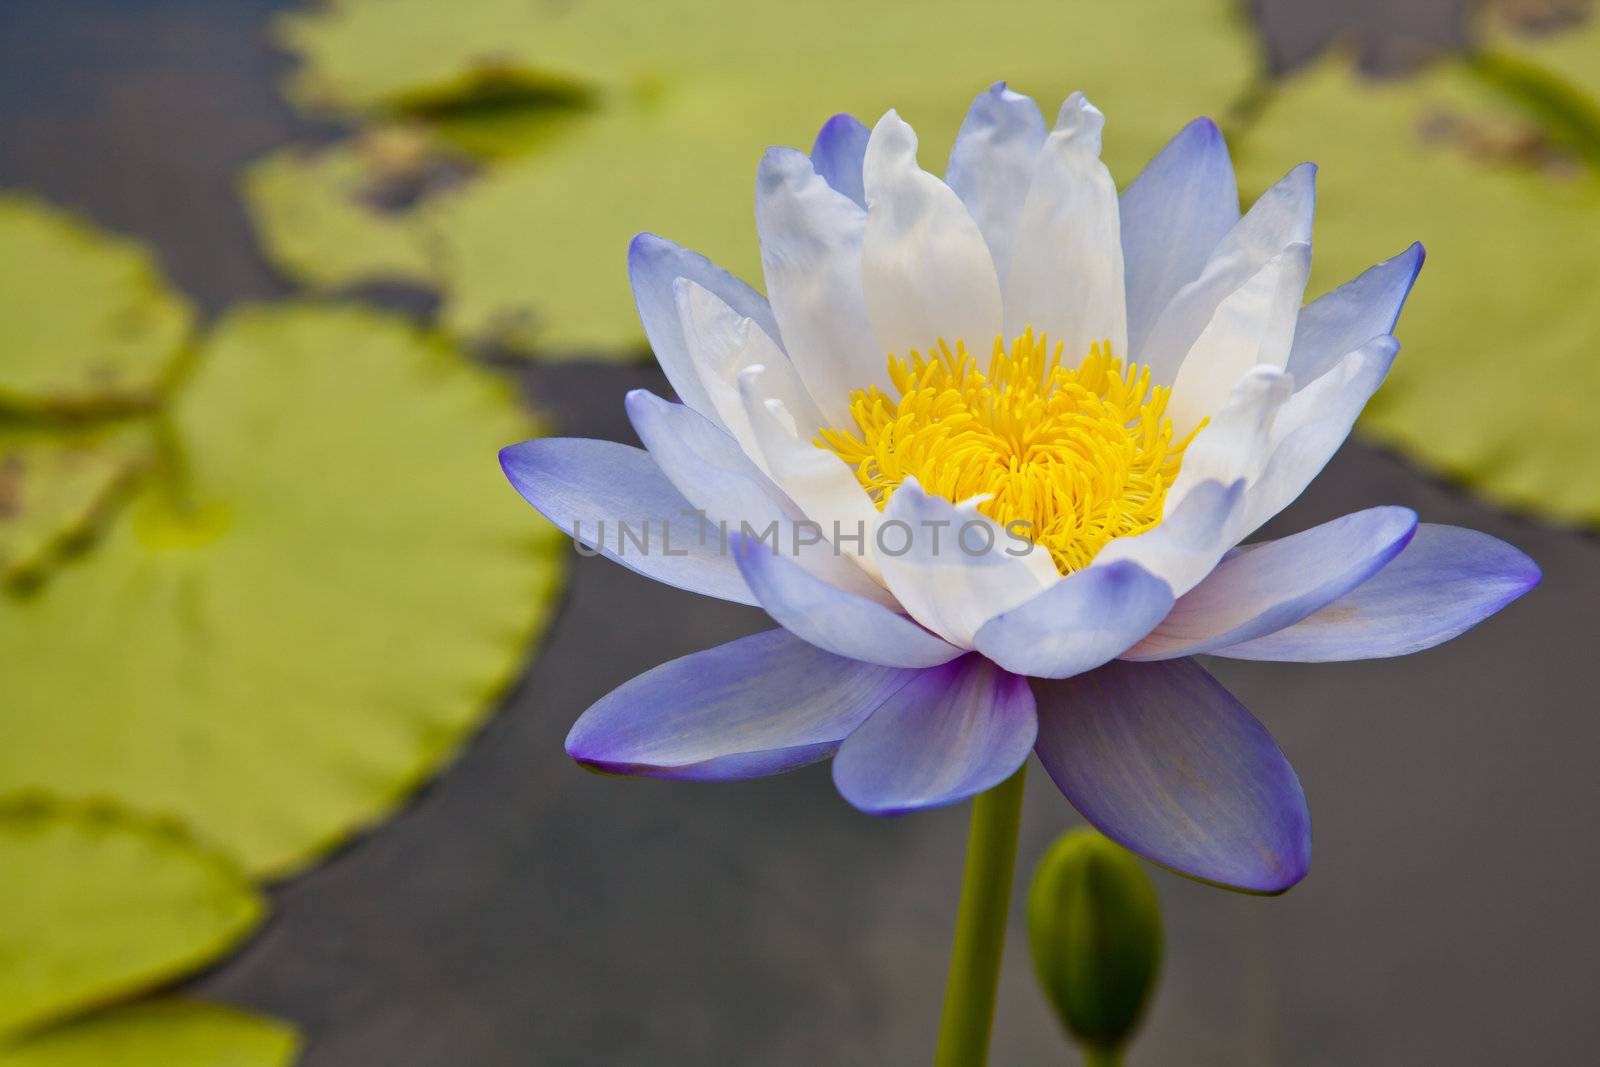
(1081,455)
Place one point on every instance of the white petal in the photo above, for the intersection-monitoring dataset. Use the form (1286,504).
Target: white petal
(713,473)
(1237,442)
(811,238)
(654,266)
(1253,327)
(817,480)
(953,581)
(924,265)
(721,345)
(1066,274)
(1189,542)
(992,164)
(1280,218)
(1312,425)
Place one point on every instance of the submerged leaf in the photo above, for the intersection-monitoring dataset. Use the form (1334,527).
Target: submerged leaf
(89,322)
(159,1033)
(97,904)
(56,486)
(302,618)
(1500,338)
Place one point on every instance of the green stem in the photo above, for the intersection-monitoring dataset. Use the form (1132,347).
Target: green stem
(980,940)
(1102,1057)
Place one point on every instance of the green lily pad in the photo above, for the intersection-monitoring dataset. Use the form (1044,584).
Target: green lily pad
(97,904)
(159,1033)
(299,619)
(686,97)
(365,57)
(343,214)
(56,486)
(1502,332)
(89,322)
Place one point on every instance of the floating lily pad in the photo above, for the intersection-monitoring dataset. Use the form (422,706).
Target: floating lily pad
(362,56)
(1502,333)
(346,213)
(96,904)
(159,1033)
(686,97)
(88,321)
(301,619)
(56,486)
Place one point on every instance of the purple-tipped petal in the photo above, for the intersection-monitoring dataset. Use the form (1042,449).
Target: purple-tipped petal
(614,499)
(755,706)
(950,733)
(1086,619)
(1265,587)
(1163,760)
(992,164)
(833,619)
(1365,307)
(654,263)
(1173,215)
(1445,582)
(840,146)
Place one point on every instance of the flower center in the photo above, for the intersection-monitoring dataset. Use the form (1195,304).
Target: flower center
(1081,456)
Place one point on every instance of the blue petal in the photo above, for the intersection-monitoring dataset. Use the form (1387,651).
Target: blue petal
(599,492)
(840,146)
(1173,215)
(1265,587)
(830,618)
(654,263)
(755,706)
(1163,760)
(1086,619)
(951,732)
(1365,307)
(1445,582)
(992,164)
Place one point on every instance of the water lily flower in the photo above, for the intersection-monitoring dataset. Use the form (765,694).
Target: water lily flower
(989,453)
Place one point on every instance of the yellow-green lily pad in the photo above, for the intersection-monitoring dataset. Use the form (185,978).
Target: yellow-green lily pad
(343,214)
(365,57)
(168,1032)
(97,904)
(89,323)
(301,614)
(1502,334)
(56,486)
(686,97)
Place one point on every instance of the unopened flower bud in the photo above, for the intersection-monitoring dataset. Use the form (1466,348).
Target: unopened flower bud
(1095,927)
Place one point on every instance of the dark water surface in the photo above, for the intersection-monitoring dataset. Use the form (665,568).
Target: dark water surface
(523,912)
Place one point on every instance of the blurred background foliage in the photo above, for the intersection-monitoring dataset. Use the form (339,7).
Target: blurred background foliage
(259,577)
